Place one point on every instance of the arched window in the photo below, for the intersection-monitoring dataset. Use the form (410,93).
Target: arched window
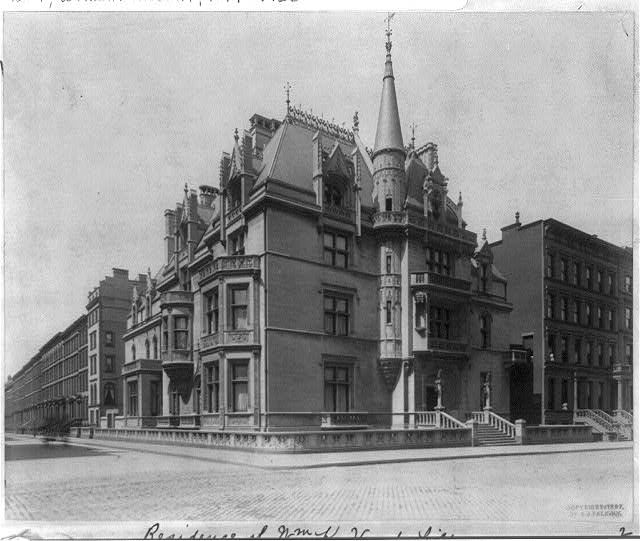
(155,347)
(109,394)
(147,349)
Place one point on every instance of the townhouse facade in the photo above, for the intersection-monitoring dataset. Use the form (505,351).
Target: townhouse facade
(573,306)
(321,284)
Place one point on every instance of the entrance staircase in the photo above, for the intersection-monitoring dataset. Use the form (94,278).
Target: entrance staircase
(493,429)
(619,427)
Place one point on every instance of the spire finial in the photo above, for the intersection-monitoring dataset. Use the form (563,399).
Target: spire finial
(484,233)
(356,122)
(235,135)
(518,218)
(459,198)
(389,32)
(186,189)
(413,135)
(287,89)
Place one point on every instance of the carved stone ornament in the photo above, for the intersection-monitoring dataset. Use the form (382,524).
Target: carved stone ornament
(390,370)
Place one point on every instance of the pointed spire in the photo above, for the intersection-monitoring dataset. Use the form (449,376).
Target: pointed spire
(235,135)
(459,199)
(287,89)
(484,234)
(388,132)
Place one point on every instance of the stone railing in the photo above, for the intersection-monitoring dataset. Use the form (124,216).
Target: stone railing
(443,344)
(230,263)
(541,434)
(447,421)
(176,356)
(176,297)
(244,336)
(341,213)
(389,280)
(487,417)
(389,217)
(516,356)
(426,418)
(434,279)
(210,340)
(595,420)
(625,416)
(291,442)
(346,419)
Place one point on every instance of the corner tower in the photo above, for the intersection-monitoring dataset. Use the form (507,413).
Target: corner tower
(389,193)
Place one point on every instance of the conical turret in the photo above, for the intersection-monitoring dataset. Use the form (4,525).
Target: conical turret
(388,132)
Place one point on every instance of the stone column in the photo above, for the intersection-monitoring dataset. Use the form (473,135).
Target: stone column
(620,401)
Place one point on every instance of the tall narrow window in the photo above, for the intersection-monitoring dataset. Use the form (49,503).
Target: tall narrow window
(439,323)
(485,331)
(588,314)
(600,322)
(240,386)
(337,388)
(576,274)
(600,354)
(589,278)
(108,338)
(180,332)
(155,347)
(109,363)
(239,307)
(610,282)
(564,393)
(389,313)
(551,345)
(109,394)
(628,353)
(336,250)
(564,270)
(132,388)
(600,281)
(627,318)
(563,308)
(174,400)
(388,263)
(589,353)
(612,354)
(575,315)
(551,394)
(147,349)
(550,305)
(133,352)
(388,204)
(483,277)
(564,349)
(627,284)
(154,397)
(332,195)
(577,348)
(165,334)
(212,311)
(549,264)
(213,388)
(336,315)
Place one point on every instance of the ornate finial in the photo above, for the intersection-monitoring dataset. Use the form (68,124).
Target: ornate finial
(413,135)
(186,189)
(287,89)
(235,135)
(460,198)
(388,32)
(518,218)
(356,122)
(484,233)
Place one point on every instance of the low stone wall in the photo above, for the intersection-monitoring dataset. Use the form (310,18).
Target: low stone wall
(530,435)
(294,442)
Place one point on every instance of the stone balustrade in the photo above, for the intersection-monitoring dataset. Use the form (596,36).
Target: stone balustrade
(230,264)
(434,279)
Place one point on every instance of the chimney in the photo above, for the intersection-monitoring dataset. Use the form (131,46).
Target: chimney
(169,230)
(208,195)
(262,130)
(120,273)
(192,223)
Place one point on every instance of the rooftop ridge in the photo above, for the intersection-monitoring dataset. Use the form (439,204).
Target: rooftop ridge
(309,120)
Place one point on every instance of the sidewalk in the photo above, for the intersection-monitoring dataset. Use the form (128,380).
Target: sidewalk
(278,461)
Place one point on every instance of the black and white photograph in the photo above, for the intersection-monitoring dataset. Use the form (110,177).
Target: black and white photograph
(282,273)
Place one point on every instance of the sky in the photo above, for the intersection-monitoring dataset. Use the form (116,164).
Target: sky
(107,115)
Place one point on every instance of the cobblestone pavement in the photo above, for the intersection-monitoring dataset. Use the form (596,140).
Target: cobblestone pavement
(87,484)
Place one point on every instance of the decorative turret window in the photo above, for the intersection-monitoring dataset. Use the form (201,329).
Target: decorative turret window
(333,195)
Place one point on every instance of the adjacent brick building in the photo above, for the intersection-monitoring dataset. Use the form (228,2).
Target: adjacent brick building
(573,306)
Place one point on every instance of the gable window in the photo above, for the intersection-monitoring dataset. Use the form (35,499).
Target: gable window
(180,332)
(332,195)
(336,250)
(337,388)
(439,324)
(213,388)
(240,386)
(235,195)
(336,315)
(211,325)
(239,307)
(132,387)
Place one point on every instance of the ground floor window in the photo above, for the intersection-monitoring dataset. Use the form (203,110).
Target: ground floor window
(337,388)
(133,398)
(240,386)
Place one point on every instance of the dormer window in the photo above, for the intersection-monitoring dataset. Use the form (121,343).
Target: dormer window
(235,194)
(333,195)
